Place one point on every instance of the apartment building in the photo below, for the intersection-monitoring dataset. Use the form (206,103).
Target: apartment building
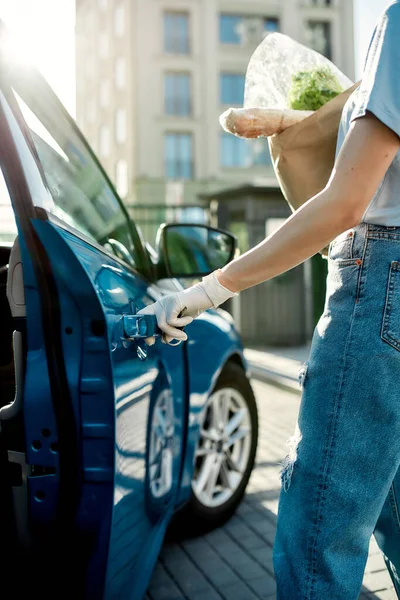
(153,76)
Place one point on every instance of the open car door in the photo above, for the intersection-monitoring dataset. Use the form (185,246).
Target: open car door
(93,435)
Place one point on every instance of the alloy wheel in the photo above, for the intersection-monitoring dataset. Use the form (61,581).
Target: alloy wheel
(224,448)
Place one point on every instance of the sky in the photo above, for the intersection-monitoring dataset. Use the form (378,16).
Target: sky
(46,30)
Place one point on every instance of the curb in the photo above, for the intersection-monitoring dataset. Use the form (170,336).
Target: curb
(263,374)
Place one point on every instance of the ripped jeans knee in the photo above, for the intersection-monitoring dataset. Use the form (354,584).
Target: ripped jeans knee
(292,443)
(302,374)
(286,471)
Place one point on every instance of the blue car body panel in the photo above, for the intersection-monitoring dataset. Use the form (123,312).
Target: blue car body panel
(114,435)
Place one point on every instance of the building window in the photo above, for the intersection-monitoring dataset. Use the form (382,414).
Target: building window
(176,33)
(178,154)
(232,88)
(104,93)
(103,45)
(120,72)
(120,125)
(233,151)
(244,30)
(259,152)
(177,94)
(319,37)
(271,25)
(104,141)
(239,152)
(119,20)
(121,178)
(230,29)
(320,2)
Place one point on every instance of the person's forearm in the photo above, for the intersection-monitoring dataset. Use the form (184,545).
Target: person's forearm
(353,183)
(309,229)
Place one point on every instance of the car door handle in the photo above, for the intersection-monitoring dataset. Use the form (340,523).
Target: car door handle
(137,327)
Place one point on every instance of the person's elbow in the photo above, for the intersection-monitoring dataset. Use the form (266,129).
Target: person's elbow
(353,215)
(345,208)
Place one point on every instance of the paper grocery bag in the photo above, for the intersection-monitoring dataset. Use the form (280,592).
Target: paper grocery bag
(303,155)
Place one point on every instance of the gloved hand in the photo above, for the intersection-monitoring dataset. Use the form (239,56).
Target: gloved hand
(180,308)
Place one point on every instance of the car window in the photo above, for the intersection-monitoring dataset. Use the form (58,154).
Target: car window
(8,227)
(82,196)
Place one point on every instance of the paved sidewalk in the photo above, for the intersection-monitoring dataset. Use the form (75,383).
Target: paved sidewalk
(235,561)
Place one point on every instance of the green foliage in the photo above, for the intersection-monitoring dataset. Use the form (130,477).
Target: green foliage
(312,89)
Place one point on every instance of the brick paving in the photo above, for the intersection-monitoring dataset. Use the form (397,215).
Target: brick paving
(235,562)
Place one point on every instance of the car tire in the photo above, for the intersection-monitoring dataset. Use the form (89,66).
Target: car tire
(198,517)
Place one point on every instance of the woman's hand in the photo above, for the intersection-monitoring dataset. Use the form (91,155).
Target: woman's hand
(177,310)
(190,302)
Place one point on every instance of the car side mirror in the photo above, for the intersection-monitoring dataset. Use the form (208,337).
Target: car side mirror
(193,250)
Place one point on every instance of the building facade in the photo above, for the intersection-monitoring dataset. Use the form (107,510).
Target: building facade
(153,77)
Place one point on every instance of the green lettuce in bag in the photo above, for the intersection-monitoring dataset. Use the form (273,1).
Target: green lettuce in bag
(313,88)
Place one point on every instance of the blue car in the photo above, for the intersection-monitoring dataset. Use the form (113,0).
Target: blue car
(104,441)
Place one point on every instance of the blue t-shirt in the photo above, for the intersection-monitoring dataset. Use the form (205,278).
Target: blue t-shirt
(379,92)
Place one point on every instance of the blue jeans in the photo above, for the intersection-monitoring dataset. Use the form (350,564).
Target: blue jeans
(341,478)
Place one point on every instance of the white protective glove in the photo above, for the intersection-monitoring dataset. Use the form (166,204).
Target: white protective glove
(189,304)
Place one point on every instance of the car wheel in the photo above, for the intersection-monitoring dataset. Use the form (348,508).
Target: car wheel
(225,454)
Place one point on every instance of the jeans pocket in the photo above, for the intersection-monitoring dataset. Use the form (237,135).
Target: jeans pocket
(342,245)
(341,250)
(390,331)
